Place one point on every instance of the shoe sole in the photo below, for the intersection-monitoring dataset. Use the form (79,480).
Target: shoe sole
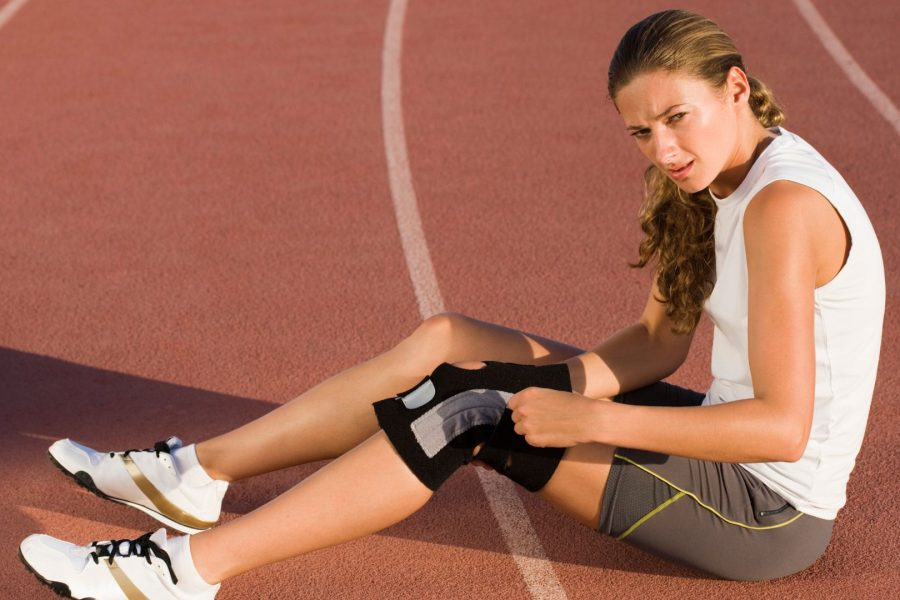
(84,480)
(61,589)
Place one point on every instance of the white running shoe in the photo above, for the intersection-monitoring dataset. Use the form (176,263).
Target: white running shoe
(109,570)
(166,482)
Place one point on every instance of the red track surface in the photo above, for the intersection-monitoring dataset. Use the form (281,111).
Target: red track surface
(195,224)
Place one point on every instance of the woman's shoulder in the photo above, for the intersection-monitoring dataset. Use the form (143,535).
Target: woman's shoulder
(787,215)
(797,217)
(801,191)
(794,159)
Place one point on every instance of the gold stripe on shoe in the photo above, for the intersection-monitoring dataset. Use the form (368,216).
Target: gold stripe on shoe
(162,503)
(126,585)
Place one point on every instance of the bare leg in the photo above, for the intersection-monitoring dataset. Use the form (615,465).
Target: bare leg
(323,423)
(365,490)
(577,485)
(336,415)
(362,492)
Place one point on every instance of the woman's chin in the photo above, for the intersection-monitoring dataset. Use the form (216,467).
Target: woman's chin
(690,187)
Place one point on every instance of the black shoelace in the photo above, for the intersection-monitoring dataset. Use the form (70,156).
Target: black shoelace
(158,447)
(141,546)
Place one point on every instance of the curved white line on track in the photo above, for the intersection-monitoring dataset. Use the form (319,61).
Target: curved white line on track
(412,236)
(518,532)
(845,61)
(7,12)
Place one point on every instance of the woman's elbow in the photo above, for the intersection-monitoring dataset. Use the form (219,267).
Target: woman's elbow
(788,432)
(793,445)
(792,456)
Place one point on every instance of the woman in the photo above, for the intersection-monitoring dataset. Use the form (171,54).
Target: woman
(743,482)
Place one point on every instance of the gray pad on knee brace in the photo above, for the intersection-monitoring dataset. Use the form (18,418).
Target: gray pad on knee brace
(435,425)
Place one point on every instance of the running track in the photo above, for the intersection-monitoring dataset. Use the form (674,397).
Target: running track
(197,222)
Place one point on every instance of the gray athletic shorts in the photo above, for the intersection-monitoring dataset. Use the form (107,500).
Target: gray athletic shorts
(716,517)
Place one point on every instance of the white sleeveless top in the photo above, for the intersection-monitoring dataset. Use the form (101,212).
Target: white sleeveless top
(849,312)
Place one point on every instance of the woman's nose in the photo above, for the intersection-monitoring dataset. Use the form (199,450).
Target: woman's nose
(665,150)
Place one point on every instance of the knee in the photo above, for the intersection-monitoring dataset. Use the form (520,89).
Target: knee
(441,325)
(432,341)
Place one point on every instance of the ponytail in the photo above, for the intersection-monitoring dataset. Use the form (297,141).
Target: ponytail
(762,102)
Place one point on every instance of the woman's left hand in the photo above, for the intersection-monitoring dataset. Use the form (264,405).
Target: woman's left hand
(552,418)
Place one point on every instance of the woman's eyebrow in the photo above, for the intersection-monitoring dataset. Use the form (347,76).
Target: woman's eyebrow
(657,117)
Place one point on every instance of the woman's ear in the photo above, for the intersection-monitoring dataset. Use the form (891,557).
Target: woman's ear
(737,86)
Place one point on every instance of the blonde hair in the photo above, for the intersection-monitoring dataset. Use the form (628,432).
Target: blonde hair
(679,225)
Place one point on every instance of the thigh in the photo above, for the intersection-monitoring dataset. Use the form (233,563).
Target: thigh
(465,338)
(578,485)
(716,517)
(713,516)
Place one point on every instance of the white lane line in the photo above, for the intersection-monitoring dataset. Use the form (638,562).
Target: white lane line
(412,236)
(521,538)
(845,61)
(7,12)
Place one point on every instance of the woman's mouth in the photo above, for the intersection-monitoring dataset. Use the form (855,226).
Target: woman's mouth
(682,173)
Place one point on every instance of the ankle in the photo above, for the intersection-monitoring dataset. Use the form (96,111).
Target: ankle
(184,563)
(206,459)
(206,565)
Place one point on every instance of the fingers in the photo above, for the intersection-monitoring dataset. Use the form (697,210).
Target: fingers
(522,397)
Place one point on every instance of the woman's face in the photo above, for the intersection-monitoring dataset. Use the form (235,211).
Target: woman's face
(682,125)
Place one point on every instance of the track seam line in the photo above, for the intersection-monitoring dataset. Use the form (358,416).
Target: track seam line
(7,12)
(845,61)
(509,511)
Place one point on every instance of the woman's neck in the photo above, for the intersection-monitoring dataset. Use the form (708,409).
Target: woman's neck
(746,153)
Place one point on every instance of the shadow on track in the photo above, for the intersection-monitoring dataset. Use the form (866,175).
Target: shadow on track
(44,399)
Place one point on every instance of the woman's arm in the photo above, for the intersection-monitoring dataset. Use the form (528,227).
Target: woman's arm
(633,357)
(749,430)
(780,241)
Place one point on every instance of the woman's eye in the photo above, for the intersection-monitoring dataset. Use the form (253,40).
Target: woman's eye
(643,133)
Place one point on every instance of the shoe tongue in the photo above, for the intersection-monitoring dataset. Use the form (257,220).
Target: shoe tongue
(159,537)
(174,442)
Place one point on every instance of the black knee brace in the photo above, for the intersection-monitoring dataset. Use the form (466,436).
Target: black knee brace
(511,455)
(436,425)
